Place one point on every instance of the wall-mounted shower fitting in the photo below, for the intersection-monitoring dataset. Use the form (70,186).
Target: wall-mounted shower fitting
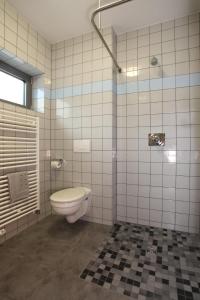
(154,61)
(156,139)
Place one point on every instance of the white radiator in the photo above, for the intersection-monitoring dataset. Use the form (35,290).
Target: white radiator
(19,151)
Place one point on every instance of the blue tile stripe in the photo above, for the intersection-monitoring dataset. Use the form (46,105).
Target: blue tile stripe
(128,88)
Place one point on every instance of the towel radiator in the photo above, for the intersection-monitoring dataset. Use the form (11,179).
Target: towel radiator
(19,151)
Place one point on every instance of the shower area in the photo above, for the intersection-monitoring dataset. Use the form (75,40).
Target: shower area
(158,124)
(135,96)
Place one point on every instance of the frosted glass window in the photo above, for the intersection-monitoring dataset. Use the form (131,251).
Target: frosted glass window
(12,89)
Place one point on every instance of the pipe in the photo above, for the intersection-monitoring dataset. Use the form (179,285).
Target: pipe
(98,10)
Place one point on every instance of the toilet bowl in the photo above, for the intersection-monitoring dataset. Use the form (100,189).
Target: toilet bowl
(73,203)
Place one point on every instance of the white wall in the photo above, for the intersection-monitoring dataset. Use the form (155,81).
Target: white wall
(159,186)
(22,47)
(82,106)
(156,186)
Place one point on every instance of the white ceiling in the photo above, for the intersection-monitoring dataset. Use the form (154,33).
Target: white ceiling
(58,20)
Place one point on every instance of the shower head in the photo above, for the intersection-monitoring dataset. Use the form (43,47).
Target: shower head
(154,61)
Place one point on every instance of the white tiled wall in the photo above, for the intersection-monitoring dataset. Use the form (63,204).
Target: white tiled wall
(77,96)
(22,47)
(20,44)
(160,185)
(82,106)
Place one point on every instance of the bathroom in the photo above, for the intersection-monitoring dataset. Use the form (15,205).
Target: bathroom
(99,149)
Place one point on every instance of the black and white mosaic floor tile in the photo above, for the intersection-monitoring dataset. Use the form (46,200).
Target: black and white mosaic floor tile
(147,263)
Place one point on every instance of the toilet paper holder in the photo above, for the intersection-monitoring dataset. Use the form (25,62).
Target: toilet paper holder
(57,163)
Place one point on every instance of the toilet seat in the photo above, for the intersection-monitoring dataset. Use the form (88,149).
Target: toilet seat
(73,203)
(68,195)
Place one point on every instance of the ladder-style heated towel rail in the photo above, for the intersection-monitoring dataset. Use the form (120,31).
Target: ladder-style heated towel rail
(19,151)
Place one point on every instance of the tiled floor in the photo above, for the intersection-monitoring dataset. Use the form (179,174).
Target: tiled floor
(147,263)
(44,262)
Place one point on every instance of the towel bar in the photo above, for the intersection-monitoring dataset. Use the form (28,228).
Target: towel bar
(19,151)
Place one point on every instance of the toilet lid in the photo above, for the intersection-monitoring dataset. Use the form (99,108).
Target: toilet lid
(68,195)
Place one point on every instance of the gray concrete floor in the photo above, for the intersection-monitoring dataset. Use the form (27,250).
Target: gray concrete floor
(44,262)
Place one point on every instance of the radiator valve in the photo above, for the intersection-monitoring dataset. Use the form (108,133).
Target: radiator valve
(2,231)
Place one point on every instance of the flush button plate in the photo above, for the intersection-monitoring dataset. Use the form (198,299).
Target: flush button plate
(156,139)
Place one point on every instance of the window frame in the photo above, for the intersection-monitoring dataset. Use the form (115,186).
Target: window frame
(27,79)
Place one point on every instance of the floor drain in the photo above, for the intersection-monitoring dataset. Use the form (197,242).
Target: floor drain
(151,251)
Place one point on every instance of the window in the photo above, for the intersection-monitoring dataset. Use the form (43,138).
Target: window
(15,86)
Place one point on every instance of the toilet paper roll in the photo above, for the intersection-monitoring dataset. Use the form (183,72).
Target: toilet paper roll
(56,164)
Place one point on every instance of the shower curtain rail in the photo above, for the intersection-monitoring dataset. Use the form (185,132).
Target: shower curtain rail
(98,10)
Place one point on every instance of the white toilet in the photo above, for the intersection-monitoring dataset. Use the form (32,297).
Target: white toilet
(73,203)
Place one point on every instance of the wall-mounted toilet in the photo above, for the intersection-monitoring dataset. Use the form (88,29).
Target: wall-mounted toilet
(73,203)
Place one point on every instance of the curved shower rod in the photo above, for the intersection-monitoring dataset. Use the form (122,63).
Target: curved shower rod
(98,10)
